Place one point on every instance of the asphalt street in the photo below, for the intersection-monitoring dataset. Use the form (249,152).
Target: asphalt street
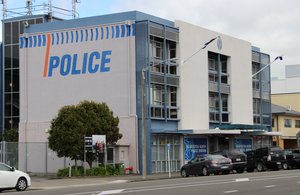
(258,183)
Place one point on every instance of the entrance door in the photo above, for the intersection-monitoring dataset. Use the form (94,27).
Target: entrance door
(223,143)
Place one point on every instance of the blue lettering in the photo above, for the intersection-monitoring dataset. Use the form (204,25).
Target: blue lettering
(74,70)
(93,55)
(70,65)
(54,63)
(65,65)
(105,60)
(85,57)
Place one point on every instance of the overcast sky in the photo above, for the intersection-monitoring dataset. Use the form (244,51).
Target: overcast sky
(271,25)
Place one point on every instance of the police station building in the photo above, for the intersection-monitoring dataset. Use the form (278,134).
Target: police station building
(156,76)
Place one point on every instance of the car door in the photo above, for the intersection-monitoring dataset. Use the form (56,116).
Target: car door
(195,166)
(7,177)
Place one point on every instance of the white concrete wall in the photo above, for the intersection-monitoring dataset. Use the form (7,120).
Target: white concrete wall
(193,91)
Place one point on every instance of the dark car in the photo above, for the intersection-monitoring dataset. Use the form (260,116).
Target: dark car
(292,157)
(238,158)
(265,158)
(207,164)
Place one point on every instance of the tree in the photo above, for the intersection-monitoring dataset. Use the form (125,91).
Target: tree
(74,122)
(11,135)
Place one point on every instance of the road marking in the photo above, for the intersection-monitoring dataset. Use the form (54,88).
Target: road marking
(231,191)
(119,181)
(242,179)
(270,186)
(111,192)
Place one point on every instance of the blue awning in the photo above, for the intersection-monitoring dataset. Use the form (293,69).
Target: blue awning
(188,131)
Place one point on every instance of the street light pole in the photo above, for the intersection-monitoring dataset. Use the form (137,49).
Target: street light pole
(205,45)
(144,131)
(277,58)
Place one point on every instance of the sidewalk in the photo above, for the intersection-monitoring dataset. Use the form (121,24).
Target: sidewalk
(54,183)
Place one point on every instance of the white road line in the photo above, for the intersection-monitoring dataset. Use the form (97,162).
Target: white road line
(119,181)
(231,191)
(111,192)
(270,186)
(242,179)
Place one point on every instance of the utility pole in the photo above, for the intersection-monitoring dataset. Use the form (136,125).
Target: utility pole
(144,129)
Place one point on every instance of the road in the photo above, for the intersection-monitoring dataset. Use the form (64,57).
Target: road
(258,183)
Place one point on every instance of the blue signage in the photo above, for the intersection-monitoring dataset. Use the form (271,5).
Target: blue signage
(243,144)
(194,147)
(70,65)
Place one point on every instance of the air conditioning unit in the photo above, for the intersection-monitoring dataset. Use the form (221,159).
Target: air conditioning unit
(289,107)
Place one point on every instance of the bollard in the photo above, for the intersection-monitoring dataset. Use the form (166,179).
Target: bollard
(70,170)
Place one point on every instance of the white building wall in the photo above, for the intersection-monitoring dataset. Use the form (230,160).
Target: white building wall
(42,96)
(193,91)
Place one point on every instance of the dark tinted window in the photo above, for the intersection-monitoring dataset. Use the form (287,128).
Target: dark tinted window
(15,32)
(235,152)
(7,33)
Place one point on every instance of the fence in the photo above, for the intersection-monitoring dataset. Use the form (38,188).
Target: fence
(38,158)
(9,153)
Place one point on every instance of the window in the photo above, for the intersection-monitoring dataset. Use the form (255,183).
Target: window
(212,64)
(224,102)
(297,123)
(256,106)
(7,33)
(157,95)
(213,77)
(287,123)
(159,153)
(213,101)
(256,119)
(224,79)
(255,69)
(172,50)
(224,65)
(214,116)
(173,96)
(156,49)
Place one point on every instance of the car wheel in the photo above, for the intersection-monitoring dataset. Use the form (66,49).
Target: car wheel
(260,167)
(21,184)
(205,171)
(285,166)
(183,173)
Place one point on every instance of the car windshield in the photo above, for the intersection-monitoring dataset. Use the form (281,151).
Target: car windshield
(276,150)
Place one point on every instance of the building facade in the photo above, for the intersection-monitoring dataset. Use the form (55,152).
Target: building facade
(10,68)
(286,121)
(153,76)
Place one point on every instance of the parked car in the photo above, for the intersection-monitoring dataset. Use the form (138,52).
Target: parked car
(292,157)
(207,164)
(10,178)
(265,158)
(238,158)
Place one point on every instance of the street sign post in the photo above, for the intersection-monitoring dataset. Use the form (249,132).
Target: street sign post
(88,145)
(169,160)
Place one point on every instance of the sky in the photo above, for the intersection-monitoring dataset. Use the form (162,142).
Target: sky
(271,25)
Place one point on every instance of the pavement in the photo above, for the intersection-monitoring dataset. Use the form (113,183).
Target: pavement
(38,182)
